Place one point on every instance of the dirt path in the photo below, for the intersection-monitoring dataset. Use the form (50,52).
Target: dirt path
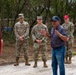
(40,70)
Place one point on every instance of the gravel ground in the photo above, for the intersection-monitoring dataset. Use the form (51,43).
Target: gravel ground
(40,70)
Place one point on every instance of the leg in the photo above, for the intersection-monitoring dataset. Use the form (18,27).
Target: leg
(70,57)
(36,52)
(18,47)
(70,51)
(60,53)
(54,63)
(66,57)
(43,52)
(25,48)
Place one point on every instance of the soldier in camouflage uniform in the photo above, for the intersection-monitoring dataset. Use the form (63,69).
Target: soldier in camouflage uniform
(21,30)
(39,40)
(69,26)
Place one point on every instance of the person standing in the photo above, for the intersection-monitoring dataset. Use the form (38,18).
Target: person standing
(58,38)
(39,41)
(21,30)
(1,41)
(69,26)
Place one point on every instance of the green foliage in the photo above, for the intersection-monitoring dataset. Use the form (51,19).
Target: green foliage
(9,36)
(33,8)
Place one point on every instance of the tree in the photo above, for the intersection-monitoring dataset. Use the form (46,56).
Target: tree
(33,8)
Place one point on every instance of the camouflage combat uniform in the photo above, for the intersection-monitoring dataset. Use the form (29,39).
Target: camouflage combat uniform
(22,29)
(39,47)
(70,30)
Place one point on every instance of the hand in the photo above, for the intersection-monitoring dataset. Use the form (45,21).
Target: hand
(67,39)
(21,38)
(2,41)
(38,41)
(43,32)
(57,32)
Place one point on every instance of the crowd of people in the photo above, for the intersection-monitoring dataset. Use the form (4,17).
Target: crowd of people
(61,41)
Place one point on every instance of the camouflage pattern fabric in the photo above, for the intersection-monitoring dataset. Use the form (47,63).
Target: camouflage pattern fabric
(37,34)
(22,29)
(70,30)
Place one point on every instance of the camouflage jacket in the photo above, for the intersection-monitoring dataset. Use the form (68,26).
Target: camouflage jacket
(37,33)
(69,29)
(21,29)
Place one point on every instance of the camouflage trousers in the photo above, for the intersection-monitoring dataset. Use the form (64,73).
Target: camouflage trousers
(68,48)
(68,54)
(24,45)
(40,48)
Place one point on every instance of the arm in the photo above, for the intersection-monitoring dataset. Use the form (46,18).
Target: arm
(46,34)
(27,31)
(15,31)
(1,44)
(1,41)
(64,38)
(62,35)
(72,29)
(33,35)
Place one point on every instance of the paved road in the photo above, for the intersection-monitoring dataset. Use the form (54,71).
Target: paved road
(40,70)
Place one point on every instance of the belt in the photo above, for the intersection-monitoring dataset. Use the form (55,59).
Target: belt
(57,47)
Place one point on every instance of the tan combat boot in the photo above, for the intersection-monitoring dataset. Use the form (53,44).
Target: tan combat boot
(17,62)
(66,60)
(35,64)
(45,65)
(69,62)
(27,63)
